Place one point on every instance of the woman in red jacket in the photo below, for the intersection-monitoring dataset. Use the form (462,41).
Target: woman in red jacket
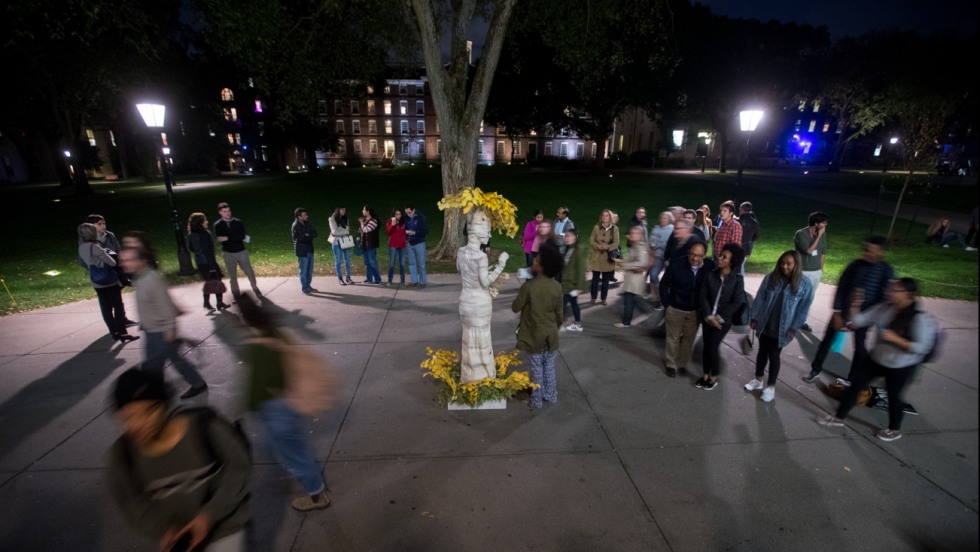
(395,227)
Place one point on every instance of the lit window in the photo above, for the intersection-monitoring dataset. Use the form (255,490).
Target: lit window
(563,149)
(340,127)
(163,138)
(234,114)
(517,147)
(403,107)
(265,153)
(387,107)
(826,127)
(357,147)
(388,127)
(402,89)
(501,130)
(420,127)
(355,126)
(238,138)
(816,106)
(258,106)
(227,95)
(420,107)
(547,149)
(813,125)
(534,132)
(371,110)
(370,89)
(373,146)
(802,105)
(500,149)
(678,137)
(481,127)
(404,148)
(355,109)
(580,150)
(595,149)
(404,127)
(90,134)
(338,108)
(479,148)
(387,89)
(231,138)
(112,138)
(372,127)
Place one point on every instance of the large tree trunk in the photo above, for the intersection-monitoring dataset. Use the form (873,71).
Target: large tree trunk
(459,113)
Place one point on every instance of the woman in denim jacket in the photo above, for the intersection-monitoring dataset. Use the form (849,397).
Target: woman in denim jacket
(779,309)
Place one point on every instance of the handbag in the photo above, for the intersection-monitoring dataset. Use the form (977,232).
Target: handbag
(747,343)
(102,275)
(837,346)
(346,242)
(613,254)
(216,287)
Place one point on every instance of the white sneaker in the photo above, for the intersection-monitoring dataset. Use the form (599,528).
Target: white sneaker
(843,382)
(754,384)
(768,394)
(946,246)
(968,248)
(574,327)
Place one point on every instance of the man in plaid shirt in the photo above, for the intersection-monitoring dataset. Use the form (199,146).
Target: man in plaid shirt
(730,230)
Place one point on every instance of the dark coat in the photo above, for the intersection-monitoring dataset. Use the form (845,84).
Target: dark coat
(679,288)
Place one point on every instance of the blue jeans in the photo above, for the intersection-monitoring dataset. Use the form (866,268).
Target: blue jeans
(286,432)
(306,271)
(371,264)
(416,262)
(573,301)
(341,255)
(158,351)
(392,253)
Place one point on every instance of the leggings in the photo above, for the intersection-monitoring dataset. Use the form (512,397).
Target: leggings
(769,351)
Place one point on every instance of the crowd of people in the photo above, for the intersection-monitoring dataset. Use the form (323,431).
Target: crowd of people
(181,474)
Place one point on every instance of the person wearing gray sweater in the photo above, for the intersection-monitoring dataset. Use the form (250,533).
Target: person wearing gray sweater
(100,263)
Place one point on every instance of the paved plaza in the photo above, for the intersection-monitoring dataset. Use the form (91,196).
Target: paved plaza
(628,459)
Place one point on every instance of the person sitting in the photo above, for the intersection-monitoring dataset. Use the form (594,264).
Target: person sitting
(940,233)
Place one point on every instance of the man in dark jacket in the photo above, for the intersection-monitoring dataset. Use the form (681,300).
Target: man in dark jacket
(230,233)
(680,290)
(303,235)
(866,278)
(416,229)
(750,230)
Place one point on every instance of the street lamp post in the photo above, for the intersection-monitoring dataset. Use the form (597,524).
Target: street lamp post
(748,121)
(153,116)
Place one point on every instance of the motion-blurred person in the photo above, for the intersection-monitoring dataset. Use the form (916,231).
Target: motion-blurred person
(285,428)
(635,273)
(750,231)
(137,239)
(158,318)
(904,336)
(867,277)
(573,277)
(658,247)
(181,478)
(101,265)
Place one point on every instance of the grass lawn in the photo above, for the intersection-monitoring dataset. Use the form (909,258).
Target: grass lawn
(41,220)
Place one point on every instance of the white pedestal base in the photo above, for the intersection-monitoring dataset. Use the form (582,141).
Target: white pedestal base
(497,404)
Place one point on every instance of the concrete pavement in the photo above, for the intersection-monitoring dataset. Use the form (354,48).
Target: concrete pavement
(628,459)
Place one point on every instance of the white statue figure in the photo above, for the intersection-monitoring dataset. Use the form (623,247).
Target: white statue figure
(475,308)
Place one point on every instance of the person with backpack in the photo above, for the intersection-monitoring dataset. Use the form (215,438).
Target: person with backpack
(180,477)
(905,337)
(101,265)
(268,353)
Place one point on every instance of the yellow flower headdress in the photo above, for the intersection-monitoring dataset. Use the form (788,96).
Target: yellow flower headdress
(502,213)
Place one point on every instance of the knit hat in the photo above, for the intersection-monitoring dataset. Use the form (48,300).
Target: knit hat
(136,385)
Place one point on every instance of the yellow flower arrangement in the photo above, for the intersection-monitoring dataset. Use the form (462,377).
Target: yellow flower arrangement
(502,213)
(444,366)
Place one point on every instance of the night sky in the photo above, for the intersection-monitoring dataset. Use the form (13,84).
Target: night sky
(856,17)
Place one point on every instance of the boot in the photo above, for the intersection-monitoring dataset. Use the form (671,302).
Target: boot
(207,303)
(221,304)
